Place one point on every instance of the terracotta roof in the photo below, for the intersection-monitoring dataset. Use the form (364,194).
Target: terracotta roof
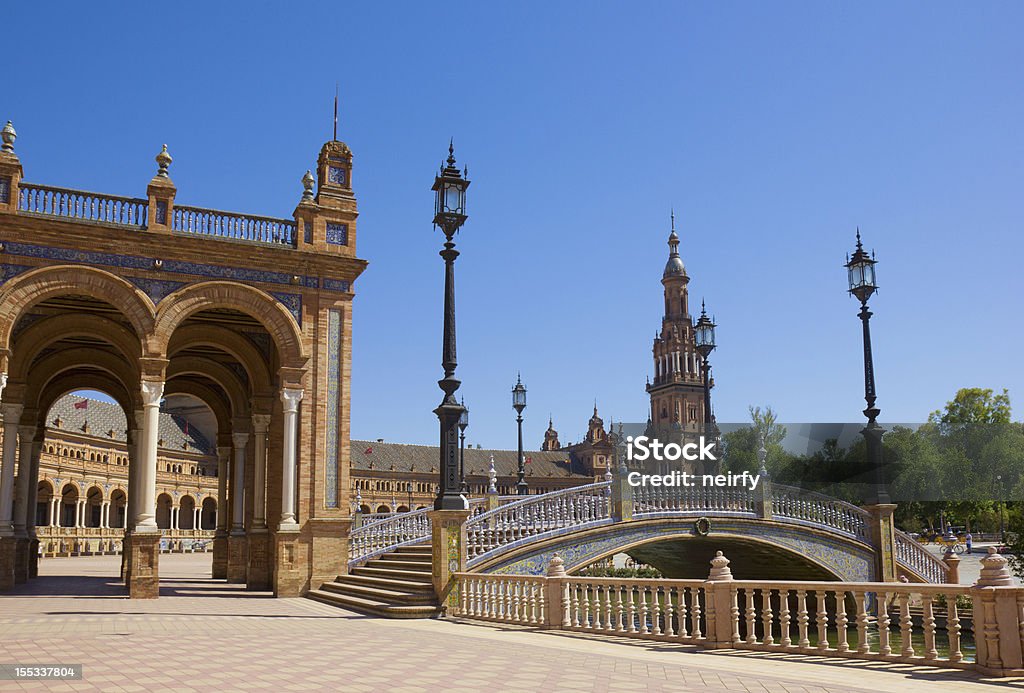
(104,420)
(371,455)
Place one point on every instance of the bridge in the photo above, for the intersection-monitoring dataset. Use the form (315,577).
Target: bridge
(512,560)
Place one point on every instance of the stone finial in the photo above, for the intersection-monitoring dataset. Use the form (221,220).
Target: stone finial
(492,474)
(163,160)
(307,185)
(994,572)
(8,134)
(720,568)
(556,566)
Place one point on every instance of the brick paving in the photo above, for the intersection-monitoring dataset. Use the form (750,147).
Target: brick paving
(207,635)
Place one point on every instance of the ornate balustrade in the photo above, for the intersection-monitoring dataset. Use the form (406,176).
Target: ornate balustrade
(237,227)
(896,622)
(693,499)
(819,510)
(572,507)
(78,204)
(916,557)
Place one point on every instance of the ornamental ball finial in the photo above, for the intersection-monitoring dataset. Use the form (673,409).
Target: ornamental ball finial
(994,572)
(163,160)
(307,185)
(556,566)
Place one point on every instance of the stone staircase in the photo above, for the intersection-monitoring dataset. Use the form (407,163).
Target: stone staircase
(398,584)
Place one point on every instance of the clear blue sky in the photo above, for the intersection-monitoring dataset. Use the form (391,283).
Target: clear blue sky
(774,129)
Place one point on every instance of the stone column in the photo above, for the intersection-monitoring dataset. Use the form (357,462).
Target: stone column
(557,595)
(260,423)
(722,615)
(144,541)
(132,443)
(237,547)
(33,500)
(197,517)
(12,417)
(26,434)
(220,537)
(998,615)
(291,398)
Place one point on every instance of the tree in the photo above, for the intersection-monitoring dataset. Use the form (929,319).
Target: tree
(741,446)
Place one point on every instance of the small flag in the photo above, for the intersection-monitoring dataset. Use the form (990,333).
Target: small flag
(82,404)
(529,460)
(368,451)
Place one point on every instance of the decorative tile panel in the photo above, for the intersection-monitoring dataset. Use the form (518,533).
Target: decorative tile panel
(337,234)
(5,189)
(307,232)
(8,271)
(161,212)
(156,289)
(336,285)
(334,354)
(293,302)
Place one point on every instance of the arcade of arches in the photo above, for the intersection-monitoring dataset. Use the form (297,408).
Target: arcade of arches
(147,302)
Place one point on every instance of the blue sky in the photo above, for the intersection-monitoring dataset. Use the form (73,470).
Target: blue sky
(773,129)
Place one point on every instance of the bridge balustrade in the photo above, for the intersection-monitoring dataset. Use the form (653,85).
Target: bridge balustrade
(79,204)
(502,526)
(817,509)
(977,627)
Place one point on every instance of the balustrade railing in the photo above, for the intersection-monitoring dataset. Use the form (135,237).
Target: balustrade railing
(917,558)
(533,515)
(78,204)
(955,626)
(817,509)
(239,227)
(695,499)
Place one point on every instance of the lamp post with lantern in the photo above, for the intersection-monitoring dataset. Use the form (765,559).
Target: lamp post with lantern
(704,336)
(519,403)
(449,215)
(860,269)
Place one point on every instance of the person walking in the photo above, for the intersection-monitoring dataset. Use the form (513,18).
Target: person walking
(969,539)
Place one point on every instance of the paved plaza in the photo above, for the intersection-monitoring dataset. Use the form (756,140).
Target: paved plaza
(206,635)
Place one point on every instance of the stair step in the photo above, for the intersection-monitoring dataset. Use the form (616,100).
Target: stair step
(412,575)
(398,564)
(424,549)
(388,583)
(410,557)
(393,597)
(375,607)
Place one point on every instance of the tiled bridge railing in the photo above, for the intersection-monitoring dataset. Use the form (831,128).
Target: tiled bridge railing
(979,627)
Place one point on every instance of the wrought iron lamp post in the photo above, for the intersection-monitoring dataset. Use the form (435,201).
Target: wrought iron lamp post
(463,424)
(519,403)
(861,274)
(408,489)
(449,215)
(704,333)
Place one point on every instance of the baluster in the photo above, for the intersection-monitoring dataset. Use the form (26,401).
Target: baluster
(681,614)
(802,619)
(906,625)
(863,647)
(751,614)
(465,599)
(513,601)
(632,609)
(620,621)
(644,629)
(656,606)
(928,621)
(953,627)
(822,621)
(842,645)
(586,606)
(670,600)
(734,614)
(883,624)
(766,616)
(595,605)
(574,606)
(695,612)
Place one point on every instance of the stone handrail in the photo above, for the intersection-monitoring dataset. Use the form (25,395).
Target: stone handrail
(886,621)
(232,226)
(817,509)
(533,515)
(79,204)
(910,554)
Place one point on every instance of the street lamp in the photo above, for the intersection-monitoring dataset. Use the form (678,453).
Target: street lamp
(519,403)
(463,424)
(408,489)
(861,273)
(704,334)
(449,215)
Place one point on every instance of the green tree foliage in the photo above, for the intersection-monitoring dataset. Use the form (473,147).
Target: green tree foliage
(741,446)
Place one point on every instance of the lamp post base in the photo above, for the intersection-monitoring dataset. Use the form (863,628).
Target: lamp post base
(450,496)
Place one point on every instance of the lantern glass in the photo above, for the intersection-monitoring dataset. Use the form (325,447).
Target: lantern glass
(518,396)
(454,202)
(464,417)
(705,333)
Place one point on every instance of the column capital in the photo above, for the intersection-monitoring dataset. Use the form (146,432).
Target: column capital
(239,439)
(291,396)
(12,412)
(223,453)
(260,422)
(27,433)
(152,391)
